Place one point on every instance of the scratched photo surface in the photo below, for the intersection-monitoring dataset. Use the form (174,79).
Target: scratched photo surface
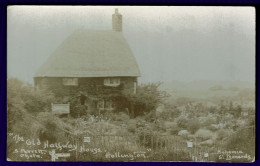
(128,83)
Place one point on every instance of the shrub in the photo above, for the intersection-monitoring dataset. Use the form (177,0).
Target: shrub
(182,123)
(121,116)
(53,127)
(212,128)
(131,128)
(146,99)
(222,133)
(204,134)
(22,99)
(244,141)
(174,130)
(160,126)
(174,112)
(208,121)
(193,125)
(150,116)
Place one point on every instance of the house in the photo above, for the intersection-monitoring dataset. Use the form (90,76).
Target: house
(95,65)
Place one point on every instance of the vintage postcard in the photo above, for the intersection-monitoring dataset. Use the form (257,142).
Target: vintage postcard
(131,83)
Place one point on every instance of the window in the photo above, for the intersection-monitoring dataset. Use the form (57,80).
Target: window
(70,81)
(105,105)
(112,81)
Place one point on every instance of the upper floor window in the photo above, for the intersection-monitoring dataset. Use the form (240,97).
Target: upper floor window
(112,81)
(70,81)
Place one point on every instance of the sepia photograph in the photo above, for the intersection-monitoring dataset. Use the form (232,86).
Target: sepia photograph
(131,83)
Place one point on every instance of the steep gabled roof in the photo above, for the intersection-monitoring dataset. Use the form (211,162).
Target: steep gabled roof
(91,53)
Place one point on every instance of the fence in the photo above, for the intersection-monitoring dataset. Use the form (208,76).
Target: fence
(155,143)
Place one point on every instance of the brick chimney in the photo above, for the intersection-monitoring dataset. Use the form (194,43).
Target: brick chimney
(117,21)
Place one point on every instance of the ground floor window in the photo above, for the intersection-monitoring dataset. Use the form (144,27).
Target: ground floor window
(105,105)
(70,81)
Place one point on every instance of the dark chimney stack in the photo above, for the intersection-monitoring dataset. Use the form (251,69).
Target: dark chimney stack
(117,21)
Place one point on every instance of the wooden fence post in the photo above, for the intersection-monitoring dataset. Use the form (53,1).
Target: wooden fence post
(152,142)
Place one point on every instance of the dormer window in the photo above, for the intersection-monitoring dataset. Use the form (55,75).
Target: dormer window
(70,81)
(112,81)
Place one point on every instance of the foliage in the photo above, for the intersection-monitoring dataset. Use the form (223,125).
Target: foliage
(182,123)
(146,99)
(222,133)
(121,116)
(174,130)
(53,129)
(23,99)
(193,125)
(131,128)
(212,128)
(242,140)
(204,134)
(236,112)
(29,115)
(171,111)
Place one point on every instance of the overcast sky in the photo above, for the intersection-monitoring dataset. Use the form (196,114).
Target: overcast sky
(169,43)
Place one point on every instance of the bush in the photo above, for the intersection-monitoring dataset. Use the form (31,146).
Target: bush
(193,125)
(53,127)
(209,121)
(160,126)
(131,128)
(121,116)
(146,99)
(23,99)
(212,128)
(174,130)
(222,133)
(182,123)
(244,141)
(169,112)
(150,116)
(204,134)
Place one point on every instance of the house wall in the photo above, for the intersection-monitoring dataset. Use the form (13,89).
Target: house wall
(93,84)
(93,87)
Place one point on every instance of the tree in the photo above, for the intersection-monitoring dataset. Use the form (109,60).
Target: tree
(23,100)
(147,98)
